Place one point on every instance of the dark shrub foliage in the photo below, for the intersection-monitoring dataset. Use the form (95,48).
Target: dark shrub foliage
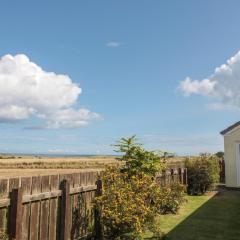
(220,154)
(203,173)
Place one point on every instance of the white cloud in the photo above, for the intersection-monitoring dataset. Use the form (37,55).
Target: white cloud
(14,113)
(204,87)
(113,44)
(71,118)
(61,151)
(223,84)
(26,90)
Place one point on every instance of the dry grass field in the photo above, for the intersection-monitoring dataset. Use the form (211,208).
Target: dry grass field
(11,166)
(10,173)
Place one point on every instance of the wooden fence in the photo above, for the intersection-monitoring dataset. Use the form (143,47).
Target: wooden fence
(222,171)
(48,207)
(57,207)
(172,175)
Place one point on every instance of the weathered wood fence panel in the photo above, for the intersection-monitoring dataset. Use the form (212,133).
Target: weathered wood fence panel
(3,195)
(222,171)
(57,207)
(48,207)
(173,175)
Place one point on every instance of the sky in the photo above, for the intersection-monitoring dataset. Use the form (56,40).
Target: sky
(76,76)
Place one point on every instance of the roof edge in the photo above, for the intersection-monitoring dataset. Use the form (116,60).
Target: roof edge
(223,132)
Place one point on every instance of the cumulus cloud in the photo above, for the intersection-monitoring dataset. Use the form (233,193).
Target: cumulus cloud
(113,44)
(223,84)
(204,87)
(71,118)
(26,90)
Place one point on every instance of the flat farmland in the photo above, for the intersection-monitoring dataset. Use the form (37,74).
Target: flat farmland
(10,173)
(11,166)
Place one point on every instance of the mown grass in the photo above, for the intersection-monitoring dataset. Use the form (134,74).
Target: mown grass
(209,217)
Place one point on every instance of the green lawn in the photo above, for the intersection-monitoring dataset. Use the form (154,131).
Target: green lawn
(210,217)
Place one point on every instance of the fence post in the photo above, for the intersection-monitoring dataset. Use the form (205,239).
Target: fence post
(98,231)
(163,180)
(185,176)
(168,177)
(65,211)
(172,176)
(16,210)
(180,175)
(223,171)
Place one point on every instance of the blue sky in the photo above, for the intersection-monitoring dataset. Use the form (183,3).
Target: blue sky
(130,59)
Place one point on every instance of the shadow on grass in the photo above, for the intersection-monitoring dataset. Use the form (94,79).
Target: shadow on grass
(218,218)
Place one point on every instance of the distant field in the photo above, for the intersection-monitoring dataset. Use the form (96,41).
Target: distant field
(9,173)
(63,162)
(35,162)
(43,165)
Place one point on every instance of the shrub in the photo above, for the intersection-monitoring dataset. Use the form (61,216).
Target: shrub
(220,155)
(125,204)
(137,159)
(203,173)
(3,235)
(131,197)
(169,198)
(129,204)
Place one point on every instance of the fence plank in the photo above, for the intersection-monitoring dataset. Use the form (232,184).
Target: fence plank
(35,208)
(16,214)
(83,205)
(44,217)
(175,175)
(180,175)
(185,176)
(168,177)
(26,188)
(54,184)
(70,180)
(222,171)
(4,210)
(92,180)
(65,211)
(13,184)
(88,204)
(76,219)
